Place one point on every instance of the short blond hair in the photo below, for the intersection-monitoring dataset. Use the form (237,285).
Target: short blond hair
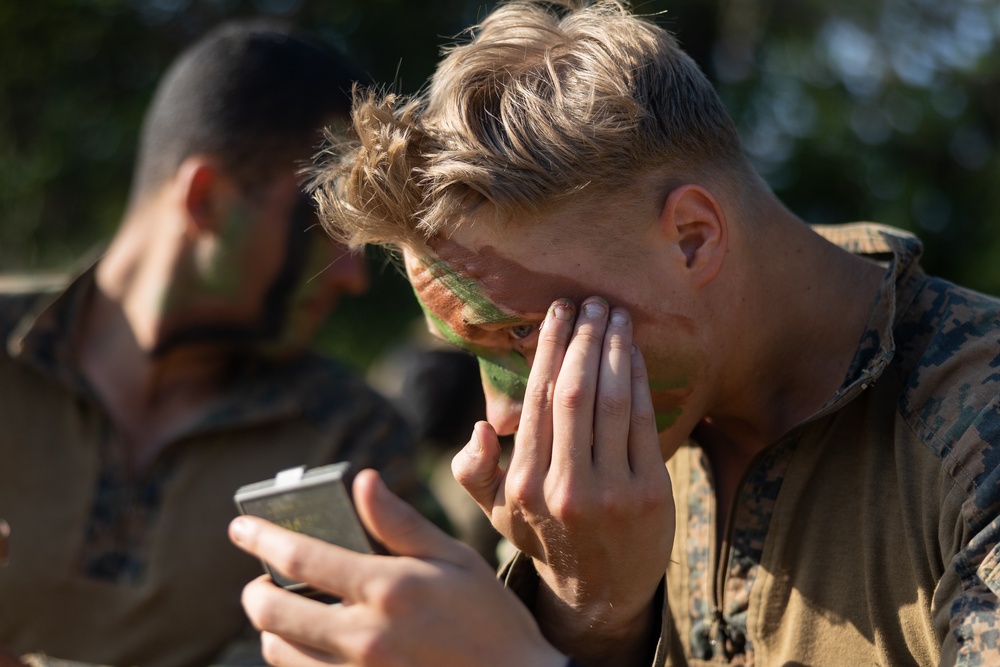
(546,101)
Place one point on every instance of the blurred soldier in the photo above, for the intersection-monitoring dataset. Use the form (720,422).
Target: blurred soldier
(137,397)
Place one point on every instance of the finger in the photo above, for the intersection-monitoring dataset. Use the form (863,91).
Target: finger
(613,408)
(477,467)
(290,617)
(643,441)
(533,444)
(576,389)
(325,566)
(398,526)
(280,652)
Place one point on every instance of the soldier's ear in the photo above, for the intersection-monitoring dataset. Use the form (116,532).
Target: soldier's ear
(206,194)
(692,217)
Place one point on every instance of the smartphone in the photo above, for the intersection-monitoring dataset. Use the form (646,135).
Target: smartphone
(315,502)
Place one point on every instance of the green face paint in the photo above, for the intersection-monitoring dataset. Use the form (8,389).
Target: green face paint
(225,270)
(508,373)
(666,385)
(220,273)
(666,391)
(509,376)
(665,420)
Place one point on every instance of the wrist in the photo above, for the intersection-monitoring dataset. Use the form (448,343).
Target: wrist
(601,635)
(584,609)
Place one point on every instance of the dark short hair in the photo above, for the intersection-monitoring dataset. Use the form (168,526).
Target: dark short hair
(253,93)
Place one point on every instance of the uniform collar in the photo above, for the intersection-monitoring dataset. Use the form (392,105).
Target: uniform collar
(899,253)
(260,391)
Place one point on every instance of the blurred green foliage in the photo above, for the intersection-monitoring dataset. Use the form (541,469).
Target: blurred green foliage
(884,110)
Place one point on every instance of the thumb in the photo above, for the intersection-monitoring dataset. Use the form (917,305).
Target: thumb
(396,524)
(477,466)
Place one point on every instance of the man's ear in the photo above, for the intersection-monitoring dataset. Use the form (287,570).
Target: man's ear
(204,191)
(694,218)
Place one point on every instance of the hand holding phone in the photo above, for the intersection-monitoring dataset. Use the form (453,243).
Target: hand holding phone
(316,502)
(434,602)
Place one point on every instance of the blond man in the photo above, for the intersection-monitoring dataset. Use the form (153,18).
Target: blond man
(573,206)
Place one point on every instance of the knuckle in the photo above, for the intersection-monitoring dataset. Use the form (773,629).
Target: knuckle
(588,334)
(642,418)
(290,560)
(539,395)
(614,404)
(375,649)
(568,504)
(569,513)
(652,497)
(612,503)
(554,335)
(379,591)
(617,343)
(571,398)
(522,490)
(400,593)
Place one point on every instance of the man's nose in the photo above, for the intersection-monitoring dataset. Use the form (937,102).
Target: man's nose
(502,411)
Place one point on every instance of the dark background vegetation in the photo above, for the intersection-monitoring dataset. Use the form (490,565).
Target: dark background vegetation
(884,110)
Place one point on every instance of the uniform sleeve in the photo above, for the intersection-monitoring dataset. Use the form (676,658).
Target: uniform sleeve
(974,607)
(972,598)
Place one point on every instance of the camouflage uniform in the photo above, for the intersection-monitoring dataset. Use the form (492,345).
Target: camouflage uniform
(110,568)
(869,534)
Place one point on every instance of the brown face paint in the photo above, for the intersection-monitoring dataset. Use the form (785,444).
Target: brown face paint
(505,281)
(667,403)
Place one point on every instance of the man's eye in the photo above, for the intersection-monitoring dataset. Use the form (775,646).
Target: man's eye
(522,331)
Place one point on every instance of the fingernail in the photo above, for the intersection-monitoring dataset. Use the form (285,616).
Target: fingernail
(239,529)
(619,317)
(562,311)
(475,445)
(594,309)
(381,490)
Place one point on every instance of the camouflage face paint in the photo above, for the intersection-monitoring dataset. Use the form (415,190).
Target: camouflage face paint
(454,284)
(238,291)
(225,272)
(476,308)
(506,371)
(220,273)
(668,396)
(665,420)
